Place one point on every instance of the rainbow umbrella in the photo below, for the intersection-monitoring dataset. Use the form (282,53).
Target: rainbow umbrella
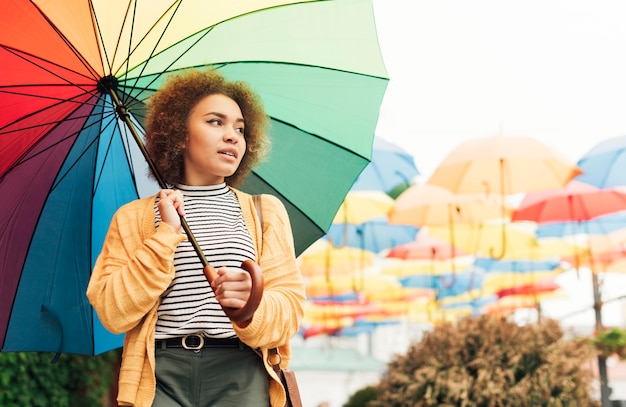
(76,75)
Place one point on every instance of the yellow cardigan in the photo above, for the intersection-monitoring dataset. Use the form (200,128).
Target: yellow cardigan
(136,266)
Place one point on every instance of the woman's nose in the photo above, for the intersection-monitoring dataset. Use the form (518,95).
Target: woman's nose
(231,135)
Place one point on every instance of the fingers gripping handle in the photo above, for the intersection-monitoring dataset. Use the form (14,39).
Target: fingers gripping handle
(256,292)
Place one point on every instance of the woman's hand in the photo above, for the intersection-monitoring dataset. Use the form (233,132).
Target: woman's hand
(171,207)
(232,287)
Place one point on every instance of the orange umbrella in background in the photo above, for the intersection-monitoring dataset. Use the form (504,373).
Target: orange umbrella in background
(430,205)
(503,165)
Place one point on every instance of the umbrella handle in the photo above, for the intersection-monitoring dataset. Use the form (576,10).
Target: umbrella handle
(244,313)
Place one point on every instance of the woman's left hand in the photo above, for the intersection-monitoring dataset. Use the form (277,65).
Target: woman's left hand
(232,287)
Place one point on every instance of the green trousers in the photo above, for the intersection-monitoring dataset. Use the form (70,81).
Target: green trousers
(220,377)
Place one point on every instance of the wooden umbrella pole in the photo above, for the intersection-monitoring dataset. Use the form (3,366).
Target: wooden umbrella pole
(256,292)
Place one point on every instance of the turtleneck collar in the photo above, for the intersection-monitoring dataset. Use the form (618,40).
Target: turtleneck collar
(202,190)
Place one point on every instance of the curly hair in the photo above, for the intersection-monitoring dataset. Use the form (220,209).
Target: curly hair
(168,113)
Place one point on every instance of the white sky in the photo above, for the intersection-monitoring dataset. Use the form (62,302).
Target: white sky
(553,70)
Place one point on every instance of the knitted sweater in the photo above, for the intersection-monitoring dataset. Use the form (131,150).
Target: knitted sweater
(136,266)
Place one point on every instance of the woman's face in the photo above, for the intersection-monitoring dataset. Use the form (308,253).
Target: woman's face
(215,141)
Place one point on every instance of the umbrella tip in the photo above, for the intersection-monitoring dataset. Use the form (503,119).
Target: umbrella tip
(107,83)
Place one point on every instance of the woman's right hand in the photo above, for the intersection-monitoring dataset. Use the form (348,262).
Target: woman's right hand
(171,207)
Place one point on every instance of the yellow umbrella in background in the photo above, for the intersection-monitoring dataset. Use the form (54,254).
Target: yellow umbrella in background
(486,238)
(361,206)
(323,259)
(405,268)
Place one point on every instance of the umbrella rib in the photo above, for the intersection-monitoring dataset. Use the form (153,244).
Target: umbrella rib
(124,136)
(32,61)
(166,69)
(318,137)
(39,124)
(69,136)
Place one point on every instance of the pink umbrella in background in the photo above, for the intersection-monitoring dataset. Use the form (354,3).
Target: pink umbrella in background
(425,247)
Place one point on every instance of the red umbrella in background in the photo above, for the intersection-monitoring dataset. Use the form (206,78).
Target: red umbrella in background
(576,202)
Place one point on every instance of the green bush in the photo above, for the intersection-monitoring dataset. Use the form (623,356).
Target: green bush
(610,341)
(490,362)
(30,379)
(361,397)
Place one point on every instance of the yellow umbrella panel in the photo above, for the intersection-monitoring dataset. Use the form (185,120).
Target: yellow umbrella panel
(484,239)
(323,259)
(361,206)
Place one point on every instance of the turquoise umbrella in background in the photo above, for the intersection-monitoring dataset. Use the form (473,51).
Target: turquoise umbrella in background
(605,164)
(76,75)
(391,167)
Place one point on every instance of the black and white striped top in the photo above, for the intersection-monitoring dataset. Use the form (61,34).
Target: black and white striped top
(189,305)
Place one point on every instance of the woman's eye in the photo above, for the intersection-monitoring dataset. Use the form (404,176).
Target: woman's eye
(241,130)
(215,121)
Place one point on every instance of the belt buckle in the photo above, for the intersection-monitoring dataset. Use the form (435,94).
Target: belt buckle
(196,348)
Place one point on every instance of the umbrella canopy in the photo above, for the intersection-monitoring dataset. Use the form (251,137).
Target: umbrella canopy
(605,164)
(374,235)
(324,259)
(361,206)
(430,205)
(425,247)
(391,166)
(503,165)
(600,225)
(577,201)
(75,78)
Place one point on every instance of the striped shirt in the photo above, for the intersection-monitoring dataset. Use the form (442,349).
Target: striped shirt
(189,306)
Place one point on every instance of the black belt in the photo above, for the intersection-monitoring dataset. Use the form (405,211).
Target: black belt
(195,342)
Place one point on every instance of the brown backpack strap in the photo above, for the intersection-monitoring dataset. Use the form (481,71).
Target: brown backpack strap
(257,204)
(274,351)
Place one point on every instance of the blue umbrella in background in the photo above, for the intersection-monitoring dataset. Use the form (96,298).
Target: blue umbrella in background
(602,225)
(390,167)
(375,235)
(605,164)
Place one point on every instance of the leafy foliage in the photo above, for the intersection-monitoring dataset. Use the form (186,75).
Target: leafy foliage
(361,397)
(30,379)
(489,361)
(610,341)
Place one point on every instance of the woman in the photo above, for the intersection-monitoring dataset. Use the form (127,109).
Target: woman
(204,134)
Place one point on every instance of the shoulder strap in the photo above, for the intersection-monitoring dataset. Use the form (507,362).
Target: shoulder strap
(259,209)
(273,351)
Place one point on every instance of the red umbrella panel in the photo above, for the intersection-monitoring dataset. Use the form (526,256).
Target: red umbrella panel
(575,202)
